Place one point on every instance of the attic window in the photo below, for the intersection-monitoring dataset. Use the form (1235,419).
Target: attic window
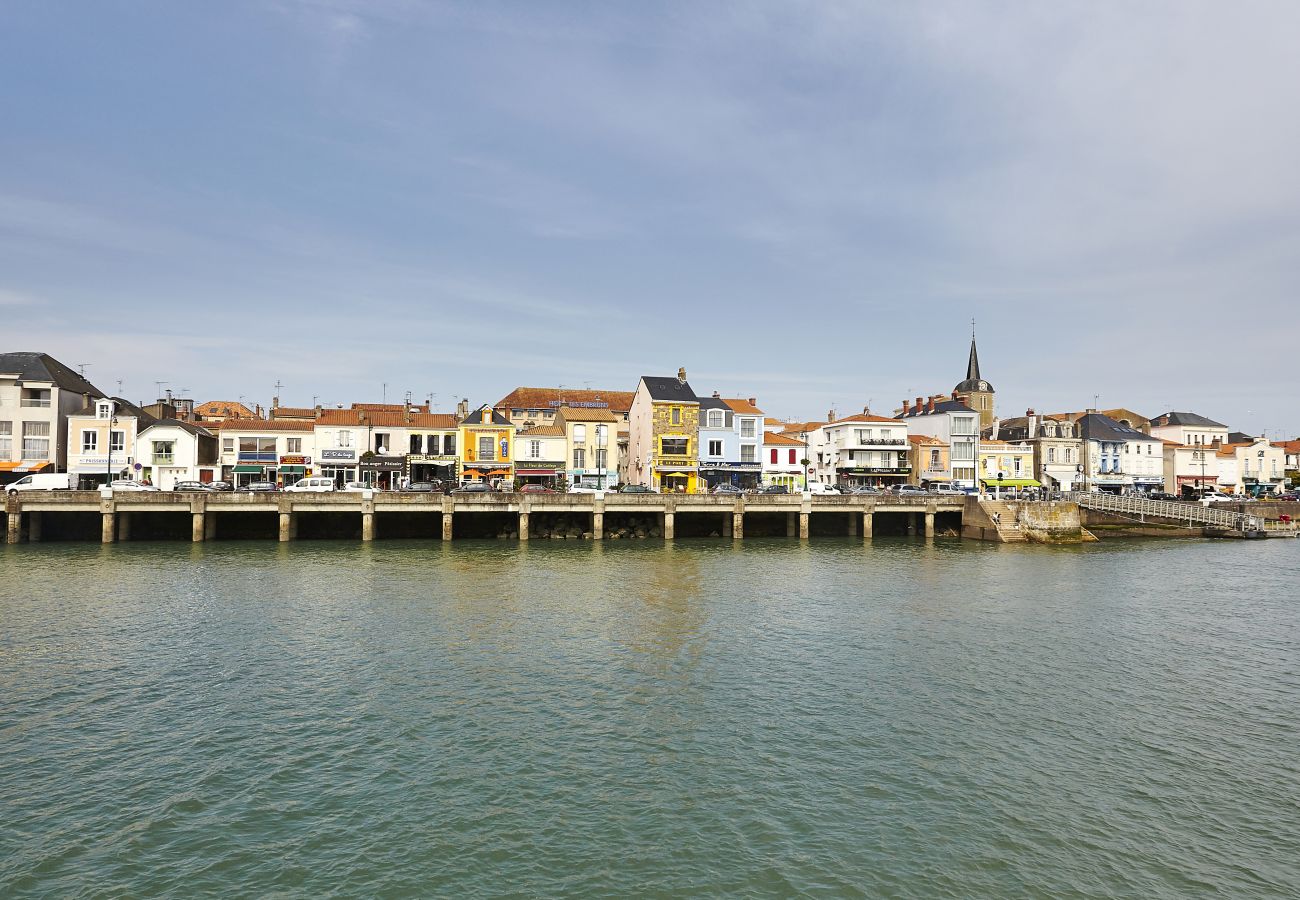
(104,411)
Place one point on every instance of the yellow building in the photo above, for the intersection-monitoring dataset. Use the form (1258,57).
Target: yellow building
(664,435)
(1006,464)
(930,459)
(487,447)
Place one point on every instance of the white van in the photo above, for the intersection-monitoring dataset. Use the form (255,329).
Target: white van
(53,481)
(311,486)
(816,487)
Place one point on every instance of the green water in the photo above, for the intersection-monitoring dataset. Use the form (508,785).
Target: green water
(699,719)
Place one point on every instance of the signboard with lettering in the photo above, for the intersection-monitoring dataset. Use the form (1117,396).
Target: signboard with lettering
(295,459)
(338,454)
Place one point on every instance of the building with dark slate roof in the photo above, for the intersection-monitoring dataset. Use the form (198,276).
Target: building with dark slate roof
(37,394)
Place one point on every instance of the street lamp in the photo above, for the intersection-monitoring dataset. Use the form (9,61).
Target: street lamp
(112,420)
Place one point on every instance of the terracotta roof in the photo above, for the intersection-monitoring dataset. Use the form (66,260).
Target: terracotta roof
(781,440)
(391,407)
(926,439)
(227,408)
(742,406)
(771,421)
(801,427)
(544,431)
(585,414)
(264,425)
(552,398)
(867,417)
(358,418)
(293,412)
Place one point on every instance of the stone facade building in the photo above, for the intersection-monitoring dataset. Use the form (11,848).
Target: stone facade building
(664,435)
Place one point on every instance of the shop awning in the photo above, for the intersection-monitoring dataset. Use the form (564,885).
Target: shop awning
(1011,482)
(293,470)
(499,472)
(523,471)
(675,475)
(249,470)
(24,466)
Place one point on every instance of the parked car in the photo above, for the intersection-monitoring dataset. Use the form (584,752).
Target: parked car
(775,489)
(908,490)
(126,484)
(191,486)
(726,489)
(1290,496)
(473,487)
(354,487)
(584,489)
(422,487)
(946,487)
(536,489)
(636,489)
(818,487)
(49,481)
(313,485)
(220,486)
(1217,497)
(260,487)
(1161,495)
(865,489)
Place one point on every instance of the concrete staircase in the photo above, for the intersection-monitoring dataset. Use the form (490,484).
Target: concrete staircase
(1003,518)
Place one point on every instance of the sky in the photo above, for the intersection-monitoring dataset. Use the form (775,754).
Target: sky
(807,203)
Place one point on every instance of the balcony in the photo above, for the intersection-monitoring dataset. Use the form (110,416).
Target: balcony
(34,403)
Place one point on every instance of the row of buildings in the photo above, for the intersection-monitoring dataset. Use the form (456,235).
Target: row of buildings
(662,435)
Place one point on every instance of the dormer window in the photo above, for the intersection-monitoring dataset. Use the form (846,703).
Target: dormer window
(104,410)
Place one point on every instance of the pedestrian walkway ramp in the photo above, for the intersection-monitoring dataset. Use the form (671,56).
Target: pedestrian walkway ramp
(1177,512)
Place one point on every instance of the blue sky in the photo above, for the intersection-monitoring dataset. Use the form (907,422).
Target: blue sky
(806,203)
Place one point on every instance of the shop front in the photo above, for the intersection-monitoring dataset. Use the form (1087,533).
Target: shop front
(872,476)
(245,473)
(293,467)
(338,463)
(676,480)
(1192,486)
(384,473)
(744,475)
(432,467)
(1147,484)
(497,475)
(547,474)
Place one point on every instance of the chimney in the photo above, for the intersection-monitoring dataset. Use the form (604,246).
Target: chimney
(930,407)
(318,411)
(462,409)
(716,395)
(408,414)
(275,401)
(954,395)
(753,401)
(258,410)
(905,408)
(830,415)
(361,417)
(866,410)
(681,375)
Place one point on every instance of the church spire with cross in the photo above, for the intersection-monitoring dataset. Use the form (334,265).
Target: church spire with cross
(973,366)
(977,392)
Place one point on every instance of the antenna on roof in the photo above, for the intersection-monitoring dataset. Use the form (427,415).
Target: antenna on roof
(160,387)
(119,387)
(81,369)
(384,394)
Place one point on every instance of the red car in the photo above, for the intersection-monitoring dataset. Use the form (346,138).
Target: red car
(536,489)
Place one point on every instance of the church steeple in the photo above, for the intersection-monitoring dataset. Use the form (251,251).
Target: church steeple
(977,392)
(973,366)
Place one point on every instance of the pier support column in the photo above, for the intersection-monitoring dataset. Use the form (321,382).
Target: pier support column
(929,524)
(198,527)
(34,527)
(791,524)
(286,526)
(853,525)
(523,525)
(446,526)
(107,528)
(598,526)
(738,525)
(367,526)
(803,525)
(124,526)
(14,532)
(727,524)
(209,527)
(868,524)
(668,518)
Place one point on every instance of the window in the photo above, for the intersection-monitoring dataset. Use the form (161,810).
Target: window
(715,418)
(749,453)
(416,443)
(964,451)
(793,460)
(35,398)
(36,440)
(1069,454)
(747,428)
(934,460)
(6,439)
(227,445)
(293,445)
(487,448)
(715,448)
(534,449)
(580,434)
(1017,465)
(963,425)
(104,409)
(677,415)
(773,456)
(163,452)
(343,439)
(117,441)
(89,441)
(601,459)
(1051,454)
(382,441)
(579,458)
(674,446)
(448,445)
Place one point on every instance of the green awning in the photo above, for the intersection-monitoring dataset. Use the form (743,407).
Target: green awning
(249,470)
(293,470)
(1011,482)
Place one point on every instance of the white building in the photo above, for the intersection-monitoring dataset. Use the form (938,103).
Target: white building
(540,454)
(1261,465)
(37,394)
(1118,458)
(861,449)
(266,450)
(591,446)
(1058,451)
(954,423)
(783,456)
(102,441)
(1190,469)
(172,450)
(1189,428)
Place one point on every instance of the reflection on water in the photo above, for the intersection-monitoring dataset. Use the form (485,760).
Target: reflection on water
(764,717)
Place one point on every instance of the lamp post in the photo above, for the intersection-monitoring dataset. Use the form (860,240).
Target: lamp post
(108,472)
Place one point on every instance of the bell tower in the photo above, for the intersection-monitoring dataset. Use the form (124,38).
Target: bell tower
(977,392)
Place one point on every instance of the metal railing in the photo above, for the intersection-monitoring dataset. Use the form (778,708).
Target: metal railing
(1175,510)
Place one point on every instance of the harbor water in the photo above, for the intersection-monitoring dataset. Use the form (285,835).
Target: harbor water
(702,718)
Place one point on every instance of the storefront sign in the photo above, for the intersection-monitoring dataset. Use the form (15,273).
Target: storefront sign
(348,455)
(383,465)
(730,466)
(431,460)
(295,460)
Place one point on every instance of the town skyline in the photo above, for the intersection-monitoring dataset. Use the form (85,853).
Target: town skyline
(807,203)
